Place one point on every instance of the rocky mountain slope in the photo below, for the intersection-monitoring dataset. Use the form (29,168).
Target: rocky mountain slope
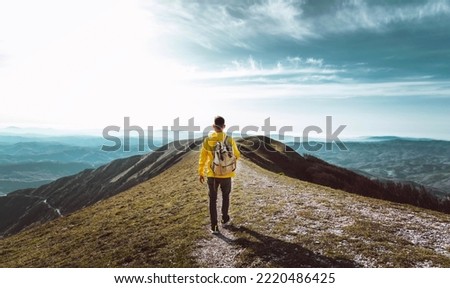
(279,221)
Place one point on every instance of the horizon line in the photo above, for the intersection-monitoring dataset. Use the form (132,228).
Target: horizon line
(97,133)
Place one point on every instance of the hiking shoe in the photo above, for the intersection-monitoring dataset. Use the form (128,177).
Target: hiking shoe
(215,229)
(226,223)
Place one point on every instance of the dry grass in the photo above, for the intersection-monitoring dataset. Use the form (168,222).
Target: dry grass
(157,224)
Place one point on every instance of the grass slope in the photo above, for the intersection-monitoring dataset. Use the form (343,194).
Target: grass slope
(279,222)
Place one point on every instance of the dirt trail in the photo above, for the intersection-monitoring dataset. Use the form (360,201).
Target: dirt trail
(220,250)
(298,215)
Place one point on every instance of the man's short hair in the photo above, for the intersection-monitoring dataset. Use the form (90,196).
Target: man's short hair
(219,122)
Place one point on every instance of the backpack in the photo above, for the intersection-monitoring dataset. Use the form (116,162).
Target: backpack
(224,161)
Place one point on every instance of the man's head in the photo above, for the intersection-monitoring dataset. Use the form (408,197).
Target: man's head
(219,124)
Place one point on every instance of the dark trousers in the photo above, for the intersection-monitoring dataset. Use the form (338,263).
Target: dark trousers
(225,186)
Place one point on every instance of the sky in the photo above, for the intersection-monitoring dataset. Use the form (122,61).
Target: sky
(379,67)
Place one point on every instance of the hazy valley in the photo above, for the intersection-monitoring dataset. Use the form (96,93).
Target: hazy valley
(32,161)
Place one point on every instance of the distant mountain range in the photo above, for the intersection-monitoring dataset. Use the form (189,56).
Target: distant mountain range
(423,161)
(29,162)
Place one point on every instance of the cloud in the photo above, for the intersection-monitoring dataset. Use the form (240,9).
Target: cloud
(284,71)
(393,38)
(298,78)
(279,17)
(217,25)
(375,16)
(333,90)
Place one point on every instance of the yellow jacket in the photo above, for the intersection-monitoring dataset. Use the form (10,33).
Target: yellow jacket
(206,154)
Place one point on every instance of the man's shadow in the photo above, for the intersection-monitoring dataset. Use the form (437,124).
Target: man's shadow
(279,253)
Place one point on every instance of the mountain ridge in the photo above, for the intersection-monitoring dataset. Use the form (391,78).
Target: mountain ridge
(279,221)
(66,195)
(281,158)
(424,162)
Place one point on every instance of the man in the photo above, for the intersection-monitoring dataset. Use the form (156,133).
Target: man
(215,179)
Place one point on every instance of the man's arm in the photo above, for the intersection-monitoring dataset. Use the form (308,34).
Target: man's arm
(236,151)
(201,163)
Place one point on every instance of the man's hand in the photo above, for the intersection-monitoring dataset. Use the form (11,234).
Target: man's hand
(201,178)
